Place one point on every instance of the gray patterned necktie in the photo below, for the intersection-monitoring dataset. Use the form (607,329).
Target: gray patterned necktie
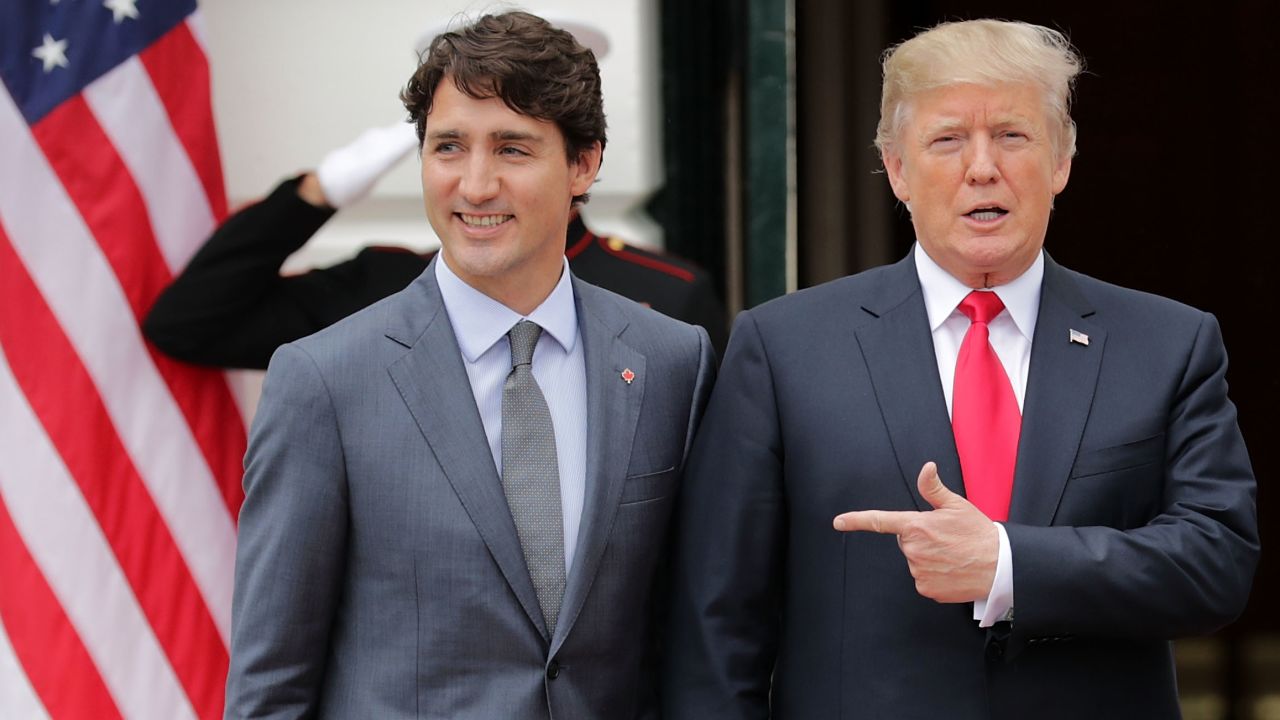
(531,473)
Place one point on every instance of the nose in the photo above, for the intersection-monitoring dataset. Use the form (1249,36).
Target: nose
(981,164)
(479,182)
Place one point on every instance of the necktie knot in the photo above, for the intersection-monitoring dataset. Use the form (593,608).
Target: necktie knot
(524,338)
(981,307)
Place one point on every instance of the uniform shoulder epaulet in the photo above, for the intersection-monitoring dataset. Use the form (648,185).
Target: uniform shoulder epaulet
(654,260)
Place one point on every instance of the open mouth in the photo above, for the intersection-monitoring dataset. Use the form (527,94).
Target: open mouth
(987,214)
(483,221)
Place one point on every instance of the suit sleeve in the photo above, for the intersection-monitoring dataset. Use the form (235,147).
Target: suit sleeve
(231,307)
(730,538)
(1186,571)
(705,380)
(290,557)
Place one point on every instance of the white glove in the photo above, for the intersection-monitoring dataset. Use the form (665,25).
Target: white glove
(350,172)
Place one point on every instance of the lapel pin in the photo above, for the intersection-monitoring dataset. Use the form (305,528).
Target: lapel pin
(1078,337)
(628,376)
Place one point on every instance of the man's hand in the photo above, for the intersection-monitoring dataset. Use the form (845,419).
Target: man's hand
(951,550)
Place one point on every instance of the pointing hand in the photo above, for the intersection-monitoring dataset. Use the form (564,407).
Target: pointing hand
(951,550)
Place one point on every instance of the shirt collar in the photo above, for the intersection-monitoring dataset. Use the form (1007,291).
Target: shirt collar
(943,293)
(479,321)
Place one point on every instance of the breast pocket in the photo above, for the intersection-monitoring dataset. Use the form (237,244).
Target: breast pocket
(1116,486)
(1119,457)
(648,487)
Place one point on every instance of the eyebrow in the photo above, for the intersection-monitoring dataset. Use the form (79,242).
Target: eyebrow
(951,124)
(516,135)
(504,135)
(1011,119)
(942,126)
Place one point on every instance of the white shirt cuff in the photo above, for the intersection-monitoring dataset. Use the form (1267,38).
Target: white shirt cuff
(999,603)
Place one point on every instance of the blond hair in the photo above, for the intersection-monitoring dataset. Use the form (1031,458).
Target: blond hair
(982,52)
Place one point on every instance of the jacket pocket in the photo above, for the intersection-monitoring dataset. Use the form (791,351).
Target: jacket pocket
(648,486)
(1119,457)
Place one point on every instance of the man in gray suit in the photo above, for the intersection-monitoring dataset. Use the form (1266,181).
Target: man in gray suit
(456,500)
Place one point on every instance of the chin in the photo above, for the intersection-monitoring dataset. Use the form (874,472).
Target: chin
(988,252)
(478,261)
(490,268)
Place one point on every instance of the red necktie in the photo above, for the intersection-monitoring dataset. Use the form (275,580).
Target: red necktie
(984,412)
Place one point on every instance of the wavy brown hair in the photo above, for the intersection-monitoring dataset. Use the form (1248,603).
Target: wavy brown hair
(536,68)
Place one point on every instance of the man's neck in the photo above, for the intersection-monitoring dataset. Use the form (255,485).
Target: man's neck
(522,292)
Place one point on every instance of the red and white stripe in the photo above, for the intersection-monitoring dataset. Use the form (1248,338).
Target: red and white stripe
(16,694)
(120,478)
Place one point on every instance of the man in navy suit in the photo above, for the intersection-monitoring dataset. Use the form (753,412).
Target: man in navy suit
(1036,478)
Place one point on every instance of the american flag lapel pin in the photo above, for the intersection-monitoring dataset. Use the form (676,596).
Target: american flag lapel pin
(628,376)
(1078,337)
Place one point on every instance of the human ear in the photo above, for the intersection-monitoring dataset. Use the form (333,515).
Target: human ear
(1060,175)
(584,167)
(895,168)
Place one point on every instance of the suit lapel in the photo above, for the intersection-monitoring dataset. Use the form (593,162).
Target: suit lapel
(897,347)
(433,382)
(1060,388)
(613,410)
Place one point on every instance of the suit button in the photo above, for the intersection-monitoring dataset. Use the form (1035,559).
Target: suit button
(553,670)
(995,650)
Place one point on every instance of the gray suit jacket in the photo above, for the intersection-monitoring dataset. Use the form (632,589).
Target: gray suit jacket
(379,574)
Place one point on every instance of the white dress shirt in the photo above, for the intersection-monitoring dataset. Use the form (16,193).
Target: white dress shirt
(480,324)
(1010,336)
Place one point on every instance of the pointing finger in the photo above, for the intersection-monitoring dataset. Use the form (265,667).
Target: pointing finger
(887,522)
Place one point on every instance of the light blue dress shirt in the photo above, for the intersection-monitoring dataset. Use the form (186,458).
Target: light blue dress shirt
(480,324)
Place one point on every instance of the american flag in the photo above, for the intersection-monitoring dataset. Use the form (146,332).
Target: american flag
(119,468)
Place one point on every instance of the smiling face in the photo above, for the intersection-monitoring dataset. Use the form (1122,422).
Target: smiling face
(498,189)
(979,168)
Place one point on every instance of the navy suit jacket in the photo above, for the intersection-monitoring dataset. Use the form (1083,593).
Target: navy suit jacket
(1132,519)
